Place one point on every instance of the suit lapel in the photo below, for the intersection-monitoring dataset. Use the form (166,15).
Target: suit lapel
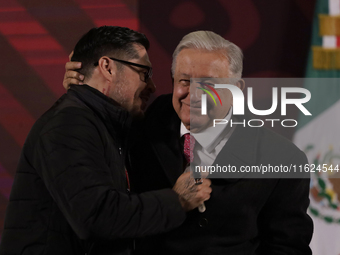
(240,150)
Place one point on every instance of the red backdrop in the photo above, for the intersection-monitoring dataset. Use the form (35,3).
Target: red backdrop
(37,36)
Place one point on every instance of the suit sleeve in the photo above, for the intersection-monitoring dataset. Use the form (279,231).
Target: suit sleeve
(71,161)
(285,227)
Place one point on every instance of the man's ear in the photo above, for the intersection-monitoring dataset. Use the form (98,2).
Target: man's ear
(107,68)
(241,84)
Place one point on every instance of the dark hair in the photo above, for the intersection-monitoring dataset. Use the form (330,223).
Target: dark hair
(111,41)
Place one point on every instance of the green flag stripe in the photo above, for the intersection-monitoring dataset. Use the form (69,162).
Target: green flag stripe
(325,95)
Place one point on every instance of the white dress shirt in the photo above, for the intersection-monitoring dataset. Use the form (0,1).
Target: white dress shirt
(210,142)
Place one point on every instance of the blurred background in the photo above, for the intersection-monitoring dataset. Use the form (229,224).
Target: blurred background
(37,36)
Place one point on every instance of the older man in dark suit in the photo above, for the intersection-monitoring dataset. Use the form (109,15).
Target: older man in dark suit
(243,216)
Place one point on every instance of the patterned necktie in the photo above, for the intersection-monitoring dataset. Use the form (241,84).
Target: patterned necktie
(189,144)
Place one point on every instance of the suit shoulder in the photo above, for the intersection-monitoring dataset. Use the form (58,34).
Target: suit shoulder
(278,144)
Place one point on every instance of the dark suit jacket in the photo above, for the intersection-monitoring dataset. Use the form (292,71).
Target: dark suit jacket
(243,216)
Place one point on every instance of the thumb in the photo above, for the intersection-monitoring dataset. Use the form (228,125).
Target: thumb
(70,56)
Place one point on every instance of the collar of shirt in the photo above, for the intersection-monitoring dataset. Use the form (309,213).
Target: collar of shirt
(211,136)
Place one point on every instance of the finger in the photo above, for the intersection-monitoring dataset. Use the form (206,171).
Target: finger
(205,190)
(208,190)
(74,75)
(202,196)
(206,182)
(72,66)
(186,175)
(203,187)
(206,195)
(70,81)
(70,56)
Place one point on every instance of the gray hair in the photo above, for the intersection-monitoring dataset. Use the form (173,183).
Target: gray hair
(210,41)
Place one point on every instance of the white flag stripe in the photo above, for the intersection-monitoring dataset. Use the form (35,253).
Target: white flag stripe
(321,129)
(321,136)
(334,7)
(329,41)
(327,247)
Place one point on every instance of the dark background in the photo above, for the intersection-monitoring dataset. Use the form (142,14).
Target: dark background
(37,36)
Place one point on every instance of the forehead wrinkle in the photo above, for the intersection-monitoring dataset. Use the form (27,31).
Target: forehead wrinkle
(184,74)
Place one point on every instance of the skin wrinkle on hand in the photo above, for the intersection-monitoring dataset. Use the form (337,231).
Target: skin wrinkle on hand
(188,185)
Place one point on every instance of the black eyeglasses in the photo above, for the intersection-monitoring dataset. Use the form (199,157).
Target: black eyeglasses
(146,75)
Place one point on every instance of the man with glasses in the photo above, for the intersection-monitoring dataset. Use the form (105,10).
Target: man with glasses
(71,191)
(145,75)
(244,215)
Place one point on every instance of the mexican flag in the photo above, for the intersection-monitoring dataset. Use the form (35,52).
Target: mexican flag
(319,135)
